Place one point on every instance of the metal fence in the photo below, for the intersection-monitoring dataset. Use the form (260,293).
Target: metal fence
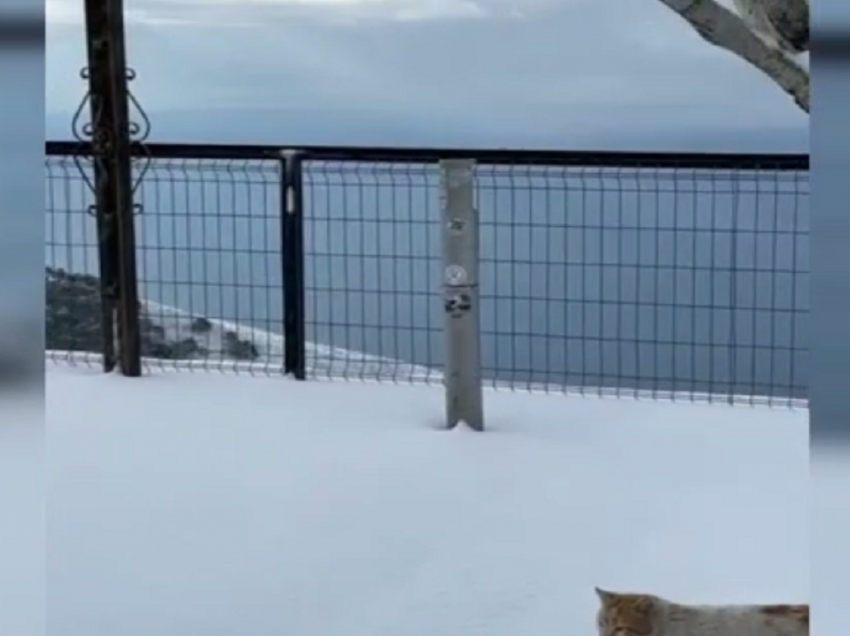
(642,274)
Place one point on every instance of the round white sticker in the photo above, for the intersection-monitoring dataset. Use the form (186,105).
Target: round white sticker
(455,275)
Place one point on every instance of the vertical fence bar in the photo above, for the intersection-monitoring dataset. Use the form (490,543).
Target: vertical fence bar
(103,208)
(107,247)
(292,257)
(464,394)
(113,177)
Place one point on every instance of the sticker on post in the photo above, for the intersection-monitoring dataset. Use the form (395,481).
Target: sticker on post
(457,304)
(455,275)
(456,226)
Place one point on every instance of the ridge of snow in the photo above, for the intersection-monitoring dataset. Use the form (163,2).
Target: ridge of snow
(321,359)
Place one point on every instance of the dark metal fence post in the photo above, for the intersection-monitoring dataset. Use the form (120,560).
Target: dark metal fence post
(107,74)
(107,241)
(292,253)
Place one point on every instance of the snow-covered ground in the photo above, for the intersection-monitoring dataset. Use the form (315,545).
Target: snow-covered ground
(22,488)
(830,521)
(215,504)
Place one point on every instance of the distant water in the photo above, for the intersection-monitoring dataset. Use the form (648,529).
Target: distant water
(688,281)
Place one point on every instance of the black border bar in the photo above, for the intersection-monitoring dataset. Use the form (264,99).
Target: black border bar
(581,158)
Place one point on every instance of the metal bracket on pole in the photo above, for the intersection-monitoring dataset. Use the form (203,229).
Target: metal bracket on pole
(464,394)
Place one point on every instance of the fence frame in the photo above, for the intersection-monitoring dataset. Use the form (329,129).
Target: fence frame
(292,256)
(291,160)
(393,154)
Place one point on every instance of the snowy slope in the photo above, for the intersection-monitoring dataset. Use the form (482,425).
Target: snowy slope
(322,360)
(215,505)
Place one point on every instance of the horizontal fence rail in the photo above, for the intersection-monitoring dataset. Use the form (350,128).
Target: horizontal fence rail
(641,274)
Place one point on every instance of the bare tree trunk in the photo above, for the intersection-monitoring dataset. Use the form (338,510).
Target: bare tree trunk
(720,27)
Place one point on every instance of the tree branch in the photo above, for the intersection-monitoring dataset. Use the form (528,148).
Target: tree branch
(719,26)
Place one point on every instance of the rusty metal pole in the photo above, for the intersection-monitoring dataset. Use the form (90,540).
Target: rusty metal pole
(111,147)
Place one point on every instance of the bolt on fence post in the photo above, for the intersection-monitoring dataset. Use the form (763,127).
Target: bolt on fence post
(464,394)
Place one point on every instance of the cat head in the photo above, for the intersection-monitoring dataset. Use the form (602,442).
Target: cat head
(627,614)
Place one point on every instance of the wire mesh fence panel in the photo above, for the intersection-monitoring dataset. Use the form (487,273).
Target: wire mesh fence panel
(73,321)
(372,275)
(209,263)
(657,276)
(209,259)
(687,283)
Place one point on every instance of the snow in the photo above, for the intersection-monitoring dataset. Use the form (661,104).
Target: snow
(322,360)
(830,469)
(22,536)
(800,59)
(218,504)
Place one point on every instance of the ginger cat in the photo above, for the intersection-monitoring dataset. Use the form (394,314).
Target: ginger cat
(622,614)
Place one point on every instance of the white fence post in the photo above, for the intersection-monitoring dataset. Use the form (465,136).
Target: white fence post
(464,395)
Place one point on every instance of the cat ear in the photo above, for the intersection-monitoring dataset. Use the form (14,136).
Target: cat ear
(604,595)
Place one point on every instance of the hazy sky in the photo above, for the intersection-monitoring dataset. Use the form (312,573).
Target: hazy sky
(512,69)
